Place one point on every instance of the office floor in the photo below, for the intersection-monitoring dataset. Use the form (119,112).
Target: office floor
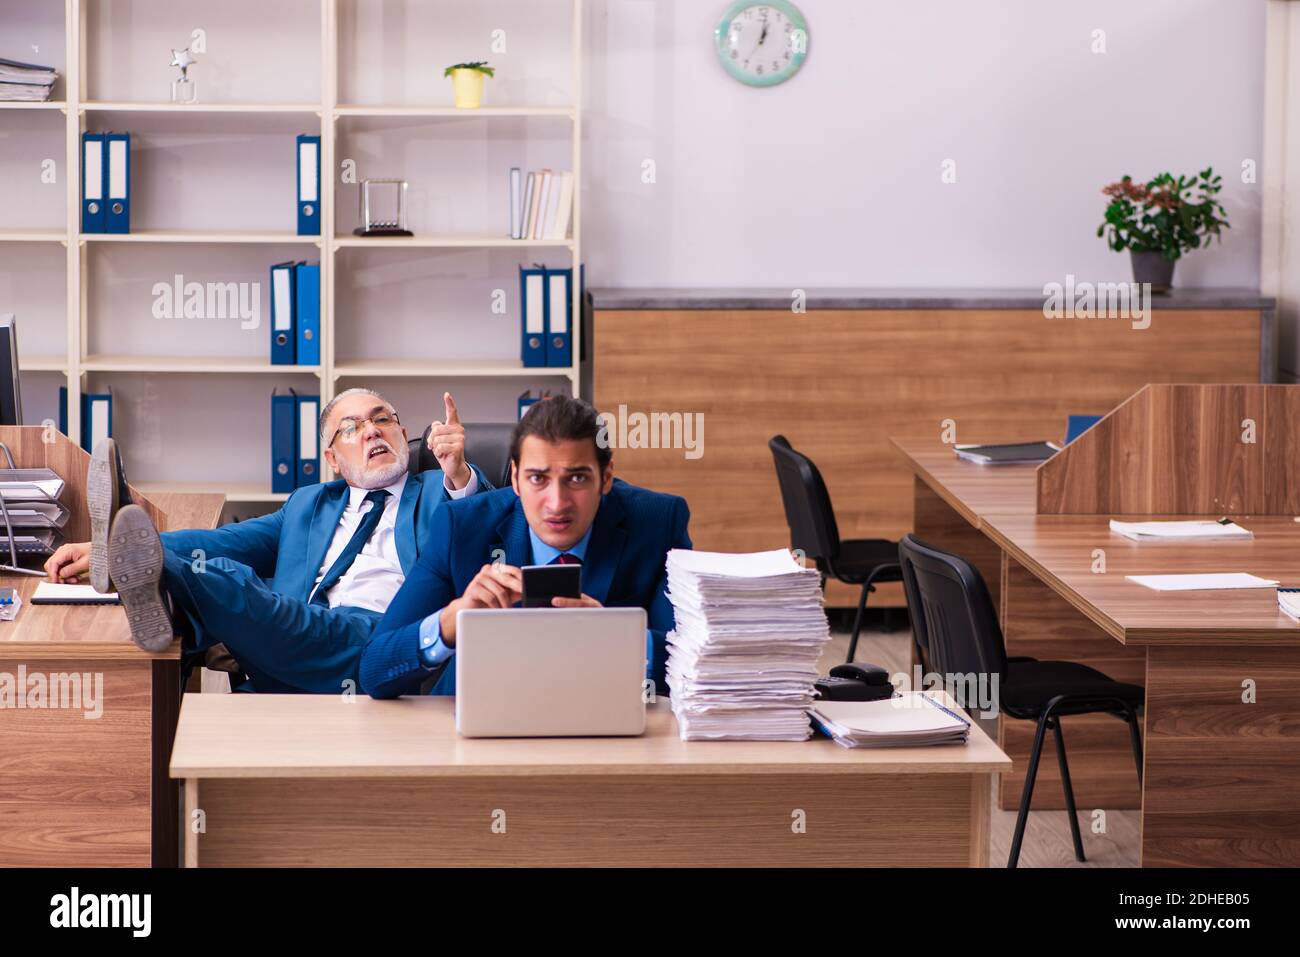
(1047,835)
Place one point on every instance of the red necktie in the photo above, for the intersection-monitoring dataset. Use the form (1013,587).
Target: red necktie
(564,558)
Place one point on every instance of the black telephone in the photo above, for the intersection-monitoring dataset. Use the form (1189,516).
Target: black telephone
(855,682)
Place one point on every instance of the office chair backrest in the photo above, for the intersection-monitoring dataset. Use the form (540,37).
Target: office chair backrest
(808,509)
(952,613)
(487,445)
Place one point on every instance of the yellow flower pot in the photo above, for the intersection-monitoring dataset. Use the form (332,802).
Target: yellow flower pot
(467,86)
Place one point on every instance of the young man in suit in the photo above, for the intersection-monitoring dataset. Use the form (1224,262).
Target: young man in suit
(564,506)
(293,595)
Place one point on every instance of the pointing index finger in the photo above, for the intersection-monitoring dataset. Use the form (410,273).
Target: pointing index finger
(453,415)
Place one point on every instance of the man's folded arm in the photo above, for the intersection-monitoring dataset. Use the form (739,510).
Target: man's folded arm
(254,542)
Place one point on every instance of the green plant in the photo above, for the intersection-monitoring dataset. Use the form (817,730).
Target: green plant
(480,65)
(1168,215)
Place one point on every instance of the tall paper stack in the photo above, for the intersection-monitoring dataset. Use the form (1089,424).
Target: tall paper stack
(742,657)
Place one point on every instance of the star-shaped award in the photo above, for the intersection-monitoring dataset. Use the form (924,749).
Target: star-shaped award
(183,59)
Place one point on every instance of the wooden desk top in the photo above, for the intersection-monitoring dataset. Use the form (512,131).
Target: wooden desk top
(972,490)
(1059,550)
(262,736)
(94,631)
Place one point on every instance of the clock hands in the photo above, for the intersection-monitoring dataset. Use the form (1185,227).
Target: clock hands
(761,38)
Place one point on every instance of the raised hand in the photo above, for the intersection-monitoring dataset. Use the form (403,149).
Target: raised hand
(447,443)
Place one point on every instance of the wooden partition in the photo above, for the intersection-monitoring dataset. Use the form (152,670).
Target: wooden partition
(35,447)
(1183,450)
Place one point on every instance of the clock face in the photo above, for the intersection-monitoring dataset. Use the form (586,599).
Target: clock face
(762,43)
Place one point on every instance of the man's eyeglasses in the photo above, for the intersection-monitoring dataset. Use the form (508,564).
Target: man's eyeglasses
(351,427)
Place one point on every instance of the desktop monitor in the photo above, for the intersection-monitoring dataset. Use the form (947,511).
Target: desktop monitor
(11,394)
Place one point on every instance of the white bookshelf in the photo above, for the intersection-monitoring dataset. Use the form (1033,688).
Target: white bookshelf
(108,67)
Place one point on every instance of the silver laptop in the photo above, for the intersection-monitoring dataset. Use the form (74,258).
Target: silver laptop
(550,672)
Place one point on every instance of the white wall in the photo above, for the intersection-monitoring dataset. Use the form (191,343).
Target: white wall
(833,178)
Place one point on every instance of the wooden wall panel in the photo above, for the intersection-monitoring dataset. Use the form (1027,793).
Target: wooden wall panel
(839,383)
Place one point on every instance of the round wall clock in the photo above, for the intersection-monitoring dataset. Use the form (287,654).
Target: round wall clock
(762,44)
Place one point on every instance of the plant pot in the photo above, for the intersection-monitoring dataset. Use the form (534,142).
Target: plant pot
(467,86)
(1153,268)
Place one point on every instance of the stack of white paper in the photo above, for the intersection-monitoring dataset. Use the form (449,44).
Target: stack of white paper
(910,720)
(1193,531)
(742,657)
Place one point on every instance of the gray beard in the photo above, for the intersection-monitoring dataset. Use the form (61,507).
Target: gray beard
(361,478)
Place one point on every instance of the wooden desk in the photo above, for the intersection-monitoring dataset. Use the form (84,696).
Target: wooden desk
(320,780)
(92,792)
(1222,777)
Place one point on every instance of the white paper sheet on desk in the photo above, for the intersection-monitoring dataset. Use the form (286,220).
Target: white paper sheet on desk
(1193,531)
(1203,582)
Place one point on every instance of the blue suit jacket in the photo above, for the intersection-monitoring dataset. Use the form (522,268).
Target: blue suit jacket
(288,546)
(624,568)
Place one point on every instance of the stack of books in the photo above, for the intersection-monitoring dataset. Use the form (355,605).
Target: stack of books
(742,656)
(541,206)
(910,720)
(25,82)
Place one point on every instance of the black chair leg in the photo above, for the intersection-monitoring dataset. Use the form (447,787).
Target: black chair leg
(857,623)
(1069,791)
(1027,794)
(1136,737)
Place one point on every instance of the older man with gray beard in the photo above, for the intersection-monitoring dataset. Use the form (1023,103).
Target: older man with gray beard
(293,595)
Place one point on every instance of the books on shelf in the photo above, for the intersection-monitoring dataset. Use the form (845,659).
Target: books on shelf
(541,206)
(742,656)
(1014,453)
(1184,531)
(909,720)
(25,82)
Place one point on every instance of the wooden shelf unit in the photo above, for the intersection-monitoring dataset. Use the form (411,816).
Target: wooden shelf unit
(77,106)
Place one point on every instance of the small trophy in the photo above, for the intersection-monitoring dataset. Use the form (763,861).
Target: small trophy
(184,90)
(390,194)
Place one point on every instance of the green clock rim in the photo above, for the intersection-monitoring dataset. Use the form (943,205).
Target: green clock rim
(720,32)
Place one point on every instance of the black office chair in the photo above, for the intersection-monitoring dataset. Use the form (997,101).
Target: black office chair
(953,616)
(808,512)
(487,445)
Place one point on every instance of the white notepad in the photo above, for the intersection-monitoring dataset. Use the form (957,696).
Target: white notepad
(1219,580)
(52,593)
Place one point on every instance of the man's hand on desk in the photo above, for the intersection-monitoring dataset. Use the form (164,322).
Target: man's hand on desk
(70,563)
(495,586)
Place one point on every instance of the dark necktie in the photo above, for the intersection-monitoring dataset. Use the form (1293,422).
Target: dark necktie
(365,528)
(564,558)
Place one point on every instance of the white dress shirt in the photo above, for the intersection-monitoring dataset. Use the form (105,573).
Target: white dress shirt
(376,573)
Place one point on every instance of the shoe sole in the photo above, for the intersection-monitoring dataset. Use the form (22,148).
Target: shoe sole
(135,562)
(102,502)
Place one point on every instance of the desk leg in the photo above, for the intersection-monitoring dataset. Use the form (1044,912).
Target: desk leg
(1222,773)
(1038,623)
(192,822)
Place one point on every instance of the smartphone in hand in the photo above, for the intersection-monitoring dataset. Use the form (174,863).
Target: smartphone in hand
(544,582)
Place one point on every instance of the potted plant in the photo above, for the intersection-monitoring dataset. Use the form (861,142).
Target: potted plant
(1159,221)
(467,82)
